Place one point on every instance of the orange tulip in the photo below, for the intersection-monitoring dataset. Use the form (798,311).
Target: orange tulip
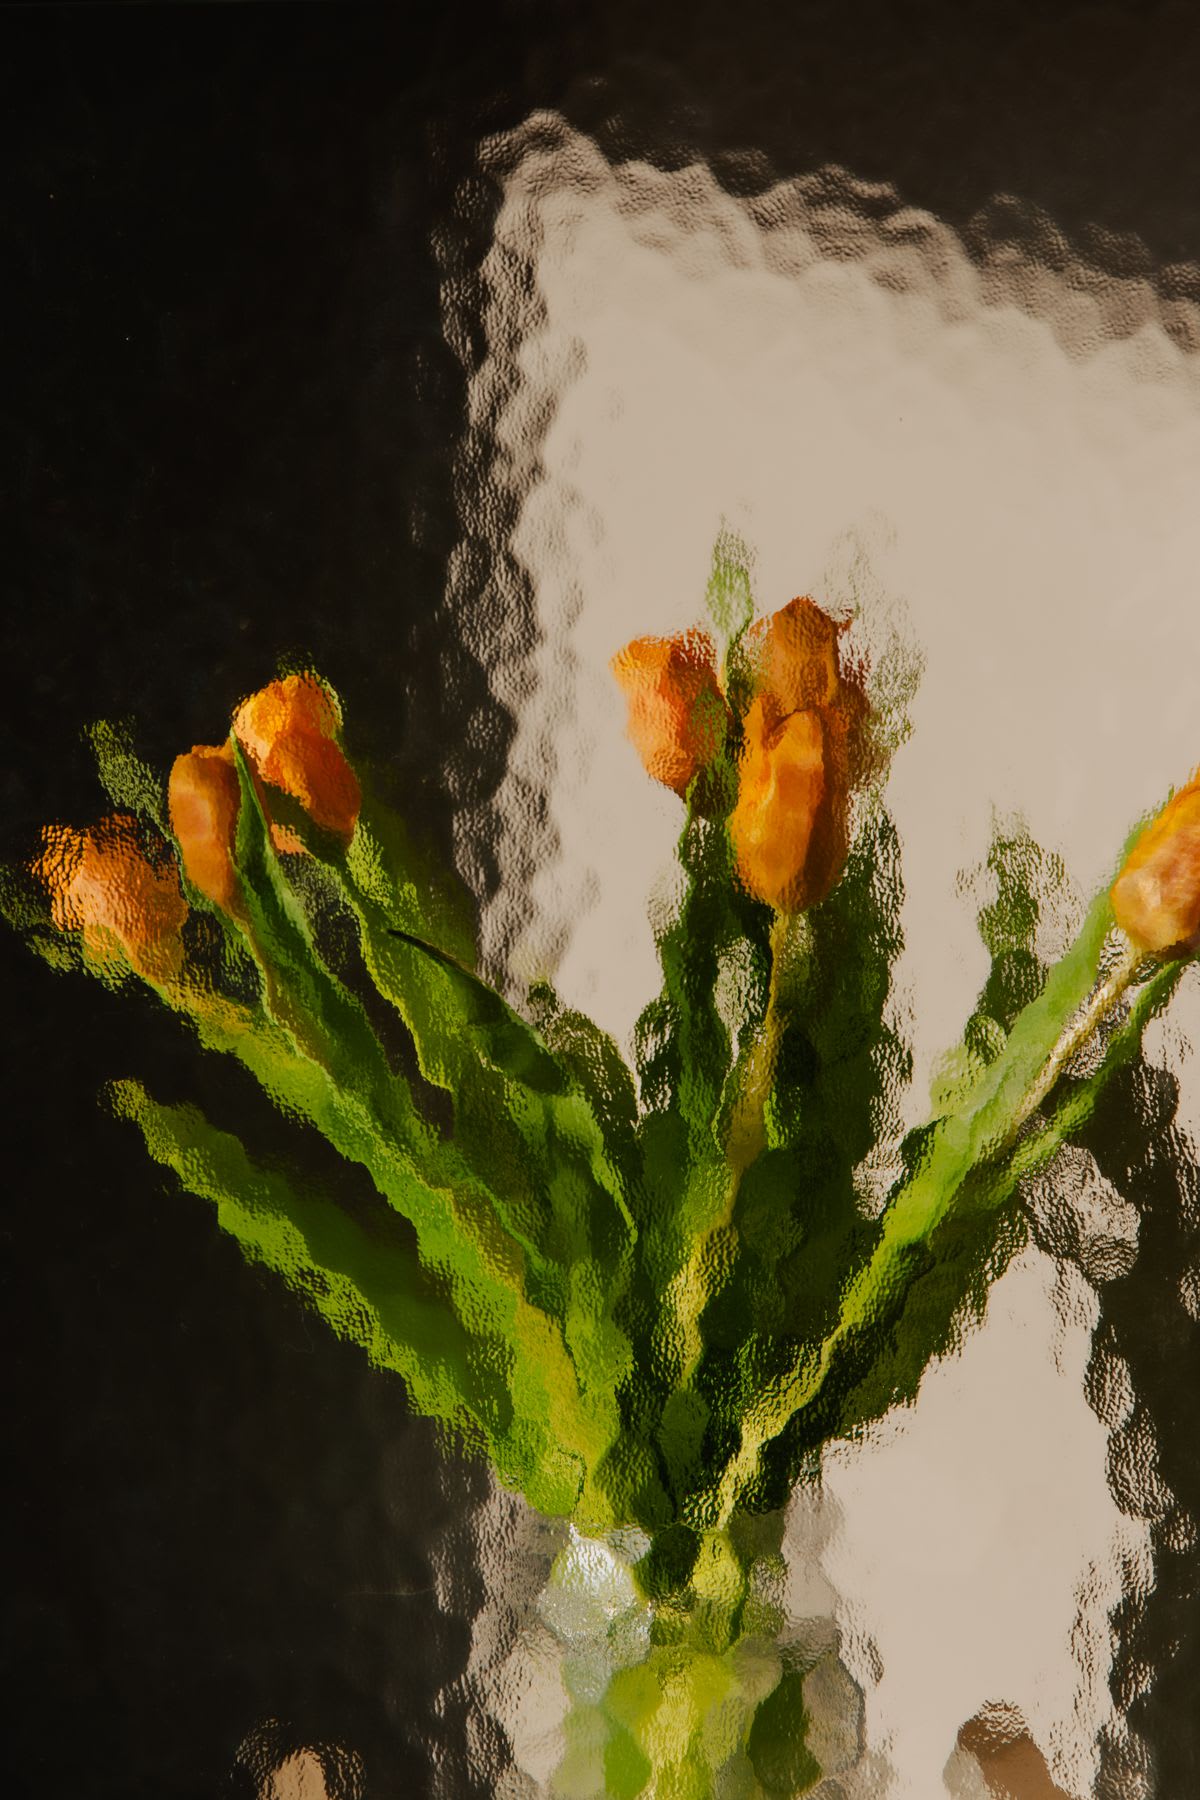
(789,828)
(678,715)
(803,743)
(1156,897)
(794,659)
(288,730)
(296,703)
(203,798)
(102,883)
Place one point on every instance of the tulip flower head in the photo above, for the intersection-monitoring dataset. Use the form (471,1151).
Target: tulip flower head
(1156,897)
(203,798)
(289,733)
(678,715)
(790,827)
(103,884)
(793,656)
(801,738)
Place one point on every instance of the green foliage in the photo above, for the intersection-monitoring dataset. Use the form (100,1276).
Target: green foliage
(648,1294)
(833,1098)
(946,1232)
(715,954)
(524,1121)
(770,1246)
(129,783)
(778,1744)
(367,1284)
(27,910)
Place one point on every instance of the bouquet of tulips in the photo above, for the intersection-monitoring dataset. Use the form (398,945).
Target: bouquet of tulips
(647,1292)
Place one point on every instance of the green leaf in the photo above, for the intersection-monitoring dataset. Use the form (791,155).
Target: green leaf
(1080,1095)
(371,1291)
(713,948)
(311,1048)
(516,1107)
(683,1040)
(129,783)
(778,1743)
(841,1066)
(516,1102)
(369,1286)
(423,893)
(776,1258)
(973,1243)
(460,1242)
(941,1238)
(519,1114)
(550,1184)
(25,906)
(504,1039)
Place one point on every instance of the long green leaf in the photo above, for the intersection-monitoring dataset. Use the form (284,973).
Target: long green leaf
(518,1113)
(369,1290)
(369,1114)
(314,1058)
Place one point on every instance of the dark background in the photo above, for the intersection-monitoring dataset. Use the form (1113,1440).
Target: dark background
(229,420)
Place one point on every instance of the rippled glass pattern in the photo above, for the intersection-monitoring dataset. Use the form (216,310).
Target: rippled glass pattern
(988,447)
(625,584)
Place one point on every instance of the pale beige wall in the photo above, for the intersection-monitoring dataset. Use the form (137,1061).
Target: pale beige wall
(1004,461)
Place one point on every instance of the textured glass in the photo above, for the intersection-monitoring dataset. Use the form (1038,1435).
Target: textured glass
(626,584)
(989,449)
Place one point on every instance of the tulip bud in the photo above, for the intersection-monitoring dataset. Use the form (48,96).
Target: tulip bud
(314,771)
(789,828)
(678,715)
(802,750)
(1156,897)
(102,883)
(794,659)
(203,797)
(296,703)
(288,731)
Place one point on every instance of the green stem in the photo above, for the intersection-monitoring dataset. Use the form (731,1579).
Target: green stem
(746,1137)
(1075,1034)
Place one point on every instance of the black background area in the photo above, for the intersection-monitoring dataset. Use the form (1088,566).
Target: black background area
(229,422)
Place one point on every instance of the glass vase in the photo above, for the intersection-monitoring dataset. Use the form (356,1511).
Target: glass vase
(689,1665)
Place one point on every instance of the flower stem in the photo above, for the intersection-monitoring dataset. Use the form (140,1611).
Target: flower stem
(746,1136)
(1075,1034)
(747,1127)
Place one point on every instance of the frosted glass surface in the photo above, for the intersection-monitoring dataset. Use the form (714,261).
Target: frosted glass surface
(986,448)
(377,376)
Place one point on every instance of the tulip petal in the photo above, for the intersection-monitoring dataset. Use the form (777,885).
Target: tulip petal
(315,772)
(788,828)
(202,797)
(1156,897)
(794,655)
(289,732)
(102,883)
(297,703)
(678,715)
